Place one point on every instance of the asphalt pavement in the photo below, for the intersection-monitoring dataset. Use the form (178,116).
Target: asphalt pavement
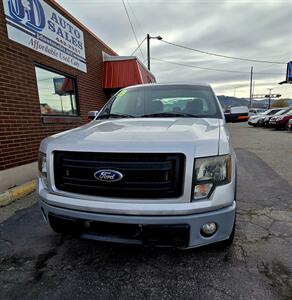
(36,263)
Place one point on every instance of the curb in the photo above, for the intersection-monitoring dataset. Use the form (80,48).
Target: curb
(17,192)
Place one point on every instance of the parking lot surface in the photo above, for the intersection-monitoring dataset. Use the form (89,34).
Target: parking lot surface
(36,263)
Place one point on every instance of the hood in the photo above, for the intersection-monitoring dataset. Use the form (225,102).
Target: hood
(257,116)
(199,136)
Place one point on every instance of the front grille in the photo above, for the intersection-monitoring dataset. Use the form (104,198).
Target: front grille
(145,175)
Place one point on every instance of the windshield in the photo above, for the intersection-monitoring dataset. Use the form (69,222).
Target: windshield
(269,112)
(280,112)
(163,101)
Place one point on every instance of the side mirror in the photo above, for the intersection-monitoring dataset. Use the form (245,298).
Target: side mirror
(236,114)
(92,114)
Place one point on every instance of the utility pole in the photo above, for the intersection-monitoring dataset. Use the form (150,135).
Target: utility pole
(148,37)
(148,51)
(270,97)
(250,87)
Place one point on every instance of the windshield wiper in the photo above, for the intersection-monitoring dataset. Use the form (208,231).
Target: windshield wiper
(108,116)
(170,115)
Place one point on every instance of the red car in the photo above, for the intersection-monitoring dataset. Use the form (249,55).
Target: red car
(280,122)
(290,125)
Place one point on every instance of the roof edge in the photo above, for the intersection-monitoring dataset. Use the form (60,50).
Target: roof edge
(107,57)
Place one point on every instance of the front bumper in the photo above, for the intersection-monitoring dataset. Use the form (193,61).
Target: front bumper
(252,122)
(224,218)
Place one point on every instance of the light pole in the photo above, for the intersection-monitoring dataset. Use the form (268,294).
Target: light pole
(148,37)
(250,87)
(270,97)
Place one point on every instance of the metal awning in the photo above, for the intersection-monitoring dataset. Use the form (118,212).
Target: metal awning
(123,71)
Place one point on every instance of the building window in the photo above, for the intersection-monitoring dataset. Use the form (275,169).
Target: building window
(57,93)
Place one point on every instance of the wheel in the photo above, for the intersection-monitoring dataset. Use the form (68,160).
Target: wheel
(286,126)
(229,241)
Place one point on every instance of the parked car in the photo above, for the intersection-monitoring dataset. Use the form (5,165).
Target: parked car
(236,114)
(264,122)
(155,167)
(290,124)
(256,111)
(280,122)
(254,120)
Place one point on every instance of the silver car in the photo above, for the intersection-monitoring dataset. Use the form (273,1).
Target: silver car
(257,119)
(155,167)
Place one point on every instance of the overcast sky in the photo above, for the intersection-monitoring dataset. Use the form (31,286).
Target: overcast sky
(258,29)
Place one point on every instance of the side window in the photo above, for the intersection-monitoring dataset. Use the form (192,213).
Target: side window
(57,93)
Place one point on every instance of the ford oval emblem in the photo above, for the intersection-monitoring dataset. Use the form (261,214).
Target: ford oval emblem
(108,175)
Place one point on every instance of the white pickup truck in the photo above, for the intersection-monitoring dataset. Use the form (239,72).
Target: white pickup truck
(155,167)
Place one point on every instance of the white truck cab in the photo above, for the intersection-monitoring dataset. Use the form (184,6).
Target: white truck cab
(155,167)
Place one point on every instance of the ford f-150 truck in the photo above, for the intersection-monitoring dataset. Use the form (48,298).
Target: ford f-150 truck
(155,167)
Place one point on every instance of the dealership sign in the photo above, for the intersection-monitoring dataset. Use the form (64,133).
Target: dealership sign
(37,25)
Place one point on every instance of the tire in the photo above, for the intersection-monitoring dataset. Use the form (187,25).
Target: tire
(229,241)
(286,126)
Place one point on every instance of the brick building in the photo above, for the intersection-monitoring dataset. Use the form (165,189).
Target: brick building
(51,75)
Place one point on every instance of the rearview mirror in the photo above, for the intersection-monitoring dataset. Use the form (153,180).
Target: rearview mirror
(236,114)
(92,114)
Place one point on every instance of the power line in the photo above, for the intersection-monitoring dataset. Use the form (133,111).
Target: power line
(135,16)
(138,46)
(224,56)
(212,69)
(132,28)
(139,25)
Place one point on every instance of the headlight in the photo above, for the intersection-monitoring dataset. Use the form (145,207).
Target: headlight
(209,172)
(42,165)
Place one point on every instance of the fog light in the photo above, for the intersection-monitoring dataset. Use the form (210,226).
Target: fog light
(208,229)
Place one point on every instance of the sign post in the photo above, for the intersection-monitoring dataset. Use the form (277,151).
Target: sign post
(289,72)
